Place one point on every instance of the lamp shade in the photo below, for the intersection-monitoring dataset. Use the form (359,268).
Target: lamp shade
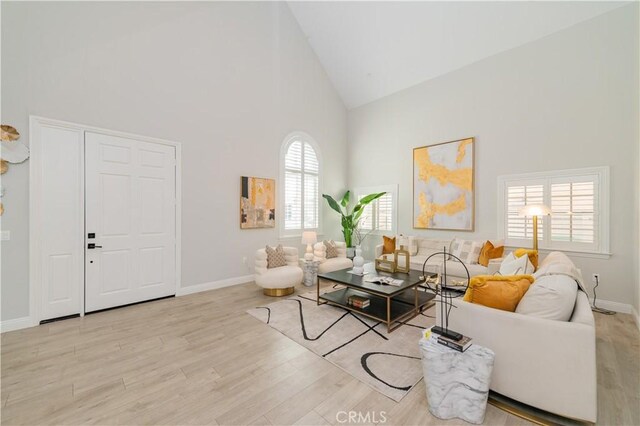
(309,237)
(534,210)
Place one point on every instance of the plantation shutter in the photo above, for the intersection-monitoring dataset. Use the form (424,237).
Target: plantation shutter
(574,211)
(301,187)
(378,214)
(518,195)
(384,219)
(366,220)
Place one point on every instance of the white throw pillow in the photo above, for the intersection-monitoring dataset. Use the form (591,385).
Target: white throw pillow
(410,243)
(466,250)
(551,297)
(512,265)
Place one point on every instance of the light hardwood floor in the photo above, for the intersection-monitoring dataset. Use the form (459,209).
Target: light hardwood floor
(200,359)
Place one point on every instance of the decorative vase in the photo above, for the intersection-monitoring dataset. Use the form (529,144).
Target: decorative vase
(358,262)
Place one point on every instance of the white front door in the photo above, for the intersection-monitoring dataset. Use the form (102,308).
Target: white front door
(130,221)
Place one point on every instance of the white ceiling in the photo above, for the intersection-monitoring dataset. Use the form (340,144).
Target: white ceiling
(373,49)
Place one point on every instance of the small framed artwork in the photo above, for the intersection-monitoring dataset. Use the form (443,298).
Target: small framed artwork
(257,203)
(443,192)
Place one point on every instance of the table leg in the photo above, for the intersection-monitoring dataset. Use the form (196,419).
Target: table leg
(388,315)
(415,289)
(318,290)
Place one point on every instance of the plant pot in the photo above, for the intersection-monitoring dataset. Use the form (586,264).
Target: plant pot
(351,252)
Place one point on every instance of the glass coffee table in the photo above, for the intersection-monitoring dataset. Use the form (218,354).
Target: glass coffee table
(389,304)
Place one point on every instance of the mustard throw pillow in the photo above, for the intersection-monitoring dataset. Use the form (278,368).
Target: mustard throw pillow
(389,246)
(533,255)
(489,252)
(498,292)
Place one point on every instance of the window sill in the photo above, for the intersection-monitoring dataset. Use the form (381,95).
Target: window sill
(298,236)
(573,253)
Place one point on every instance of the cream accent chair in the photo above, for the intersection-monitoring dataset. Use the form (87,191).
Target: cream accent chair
(279,281)
(335,263)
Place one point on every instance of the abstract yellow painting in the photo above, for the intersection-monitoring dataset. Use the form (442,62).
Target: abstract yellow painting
(443,193)
(257,203)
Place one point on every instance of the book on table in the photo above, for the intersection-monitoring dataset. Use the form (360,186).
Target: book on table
(460,345)
(358,301)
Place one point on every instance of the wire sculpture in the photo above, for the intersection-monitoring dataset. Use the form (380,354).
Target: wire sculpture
(446,293)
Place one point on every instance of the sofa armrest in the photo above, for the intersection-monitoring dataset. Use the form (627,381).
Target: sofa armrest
(544,363)
(378,250)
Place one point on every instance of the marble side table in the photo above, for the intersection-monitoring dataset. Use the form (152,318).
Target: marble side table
(310,269)
(457,383)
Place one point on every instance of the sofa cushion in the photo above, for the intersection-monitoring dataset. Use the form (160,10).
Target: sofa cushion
(498,292)
(275,257)
(466,250)
(456,269)
(335,264)
(432,246)
(533,255)
(551,297)
(488,252)
(388,244)
(331,250)
(410,243)
(282,277)
(512,265)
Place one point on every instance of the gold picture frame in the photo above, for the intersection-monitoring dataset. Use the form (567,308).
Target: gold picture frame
(257,203)
(444,186)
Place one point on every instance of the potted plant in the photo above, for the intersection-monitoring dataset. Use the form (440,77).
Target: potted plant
(350,219)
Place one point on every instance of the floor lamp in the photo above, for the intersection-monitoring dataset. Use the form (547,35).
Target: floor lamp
(535,210)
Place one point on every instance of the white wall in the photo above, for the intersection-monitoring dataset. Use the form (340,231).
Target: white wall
(227,80)
(568,100)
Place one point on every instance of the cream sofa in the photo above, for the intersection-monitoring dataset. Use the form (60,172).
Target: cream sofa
(548,364)
(279,281)
(422,248)
(335,263)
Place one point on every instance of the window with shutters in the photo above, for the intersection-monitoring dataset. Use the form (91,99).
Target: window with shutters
(301,185)
(379,216)
(579,203)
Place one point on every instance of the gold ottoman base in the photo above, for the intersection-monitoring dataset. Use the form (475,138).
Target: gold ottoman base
(278,292)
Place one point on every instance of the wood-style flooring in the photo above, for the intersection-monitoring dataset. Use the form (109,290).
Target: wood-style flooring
(200,359)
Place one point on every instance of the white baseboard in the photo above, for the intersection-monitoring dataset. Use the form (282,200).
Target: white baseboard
(16,324)
(214,285)
(623,308)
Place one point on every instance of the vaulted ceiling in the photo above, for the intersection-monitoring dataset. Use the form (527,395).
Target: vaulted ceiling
(373,49)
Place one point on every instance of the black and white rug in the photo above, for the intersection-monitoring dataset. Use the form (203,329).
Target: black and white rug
(389,363)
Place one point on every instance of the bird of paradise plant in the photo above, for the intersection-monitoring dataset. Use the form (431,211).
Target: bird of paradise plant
(350,219)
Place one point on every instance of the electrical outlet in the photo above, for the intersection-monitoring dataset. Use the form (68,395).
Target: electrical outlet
(595,278)
(244,261)
(6,235)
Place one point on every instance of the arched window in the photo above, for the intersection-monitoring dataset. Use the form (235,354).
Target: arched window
(301,177)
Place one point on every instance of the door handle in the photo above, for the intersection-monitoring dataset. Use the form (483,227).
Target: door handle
(93,246)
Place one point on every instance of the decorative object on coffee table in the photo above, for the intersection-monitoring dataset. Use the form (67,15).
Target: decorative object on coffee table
(401,258)
(386,265)
(457,383)
(358,262)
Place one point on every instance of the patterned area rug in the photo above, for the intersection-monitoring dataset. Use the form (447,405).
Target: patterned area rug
(389,363)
